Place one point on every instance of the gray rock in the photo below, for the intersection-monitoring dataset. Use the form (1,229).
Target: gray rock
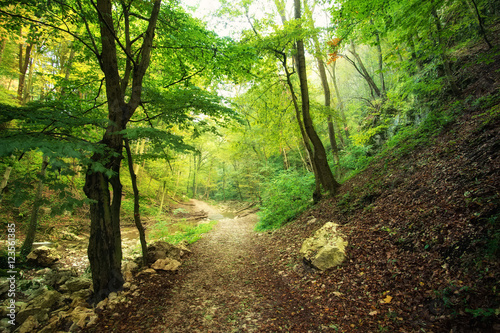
(78,283)
(326,248)
(162,250)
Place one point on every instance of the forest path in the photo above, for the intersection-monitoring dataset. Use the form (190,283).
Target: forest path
(218,290)
(227,284)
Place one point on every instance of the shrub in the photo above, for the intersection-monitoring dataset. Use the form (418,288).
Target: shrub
(284,197)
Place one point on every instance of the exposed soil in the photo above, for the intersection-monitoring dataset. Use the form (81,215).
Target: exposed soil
(226,285)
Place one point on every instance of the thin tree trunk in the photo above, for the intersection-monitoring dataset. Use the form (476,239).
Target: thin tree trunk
(380,60)
(29,84)
(141,145)
(137,215)
(340,104)
(160,211)
(362,70)
(24,61)
(2,49)
(319,155)
(5,180)
(30,235)
(333,142)
(223,181)
(414,57)
(480,23)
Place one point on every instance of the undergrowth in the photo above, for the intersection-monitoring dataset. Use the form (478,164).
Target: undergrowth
(285,196)
(176,232)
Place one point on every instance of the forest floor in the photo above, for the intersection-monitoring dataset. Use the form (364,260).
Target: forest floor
(423,226)
(226,285)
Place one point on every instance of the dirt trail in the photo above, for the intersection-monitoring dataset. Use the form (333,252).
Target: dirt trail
(225,285)
(217,292)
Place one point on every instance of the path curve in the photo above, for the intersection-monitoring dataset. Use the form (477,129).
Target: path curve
(217,291)
(228,284)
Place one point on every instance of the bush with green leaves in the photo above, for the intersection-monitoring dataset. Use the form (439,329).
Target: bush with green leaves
(284,197)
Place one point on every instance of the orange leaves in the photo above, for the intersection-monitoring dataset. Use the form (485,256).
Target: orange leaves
(334,44)
(332,57)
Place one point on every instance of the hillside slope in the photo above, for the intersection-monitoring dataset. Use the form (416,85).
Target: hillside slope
(423,226)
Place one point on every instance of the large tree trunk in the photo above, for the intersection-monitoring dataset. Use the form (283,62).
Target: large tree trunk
(326,87)
(280,6)
(30,235)
(104,249)
(319,154)
(305,137)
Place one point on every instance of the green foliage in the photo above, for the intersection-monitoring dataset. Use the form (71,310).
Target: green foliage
(483,313)
(181,231)
(146,206)
(492,250)
(284,197)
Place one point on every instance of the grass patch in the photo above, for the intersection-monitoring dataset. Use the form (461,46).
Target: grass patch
(176,232)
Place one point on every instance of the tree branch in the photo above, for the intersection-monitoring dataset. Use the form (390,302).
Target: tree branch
(77,37)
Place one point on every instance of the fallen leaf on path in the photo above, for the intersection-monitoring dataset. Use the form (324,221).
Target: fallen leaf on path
(387,299)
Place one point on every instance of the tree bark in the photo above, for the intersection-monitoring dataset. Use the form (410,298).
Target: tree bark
(137,215)
(24,61)
(319,155)
(30,235)
(104,249)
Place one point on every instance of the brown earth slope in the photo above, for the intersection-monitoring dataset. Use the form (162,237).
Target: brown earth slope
(423,228)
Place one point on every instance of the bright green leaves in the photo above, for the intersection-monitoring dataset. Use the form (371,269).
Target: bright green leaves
(284,197)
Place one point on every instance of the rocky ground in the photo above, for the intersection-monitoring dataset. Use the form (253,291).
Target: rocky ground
(226,285)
